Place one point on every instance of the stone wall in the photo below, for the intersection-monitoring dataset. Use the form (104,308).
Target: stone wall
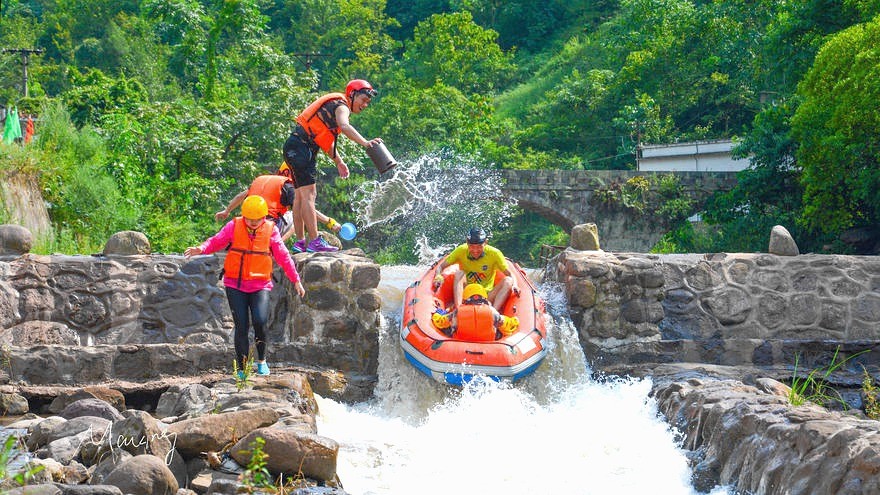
(717,334)
(730,309)
(96,301)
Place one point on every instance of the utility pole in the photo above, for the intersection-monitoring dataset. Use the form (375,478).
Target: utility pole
(306,58)
(25,58)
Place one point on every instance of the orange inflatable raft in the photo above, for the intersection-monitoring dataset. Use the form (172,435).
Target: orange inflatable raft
(454,361)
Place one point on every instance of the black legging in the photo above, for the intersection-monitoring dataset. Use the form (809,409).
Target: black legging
(239,303)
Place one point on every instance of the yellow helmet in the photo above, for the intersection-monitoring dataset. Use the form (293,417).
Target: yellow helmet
(509,326)
(441,320)
(254,207)
(472,290)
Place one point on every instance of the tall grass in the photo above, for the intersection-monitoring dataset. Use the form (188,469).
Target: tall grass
(84,203)
(815,387)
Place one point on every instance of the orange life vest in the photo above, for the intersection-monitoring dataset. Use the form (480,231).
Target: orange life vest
(476,323)
(320,123)
(249,258)
(269,187)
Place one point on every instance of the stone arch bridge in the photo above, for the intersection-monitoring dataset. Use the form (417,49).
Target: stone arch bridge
(571,197)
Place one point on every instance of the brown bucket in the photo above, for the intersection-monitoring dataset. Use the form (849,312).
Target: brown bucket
(381,157)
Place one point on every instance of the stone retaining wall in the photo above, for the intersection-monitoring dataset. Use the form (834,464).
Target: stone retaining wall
(731,309)
(72,303)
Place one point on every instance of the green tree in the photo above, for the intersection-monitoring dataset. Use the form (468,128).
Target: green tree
(532,26)
(838,129)
(794,35)
(93,94)
(86,206)
(340,39)
(420,120)
(451,49)
(767,193)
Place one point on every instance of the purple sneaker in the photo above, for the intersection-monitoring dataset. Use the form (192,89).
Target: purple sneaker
(319,245)
(299,246)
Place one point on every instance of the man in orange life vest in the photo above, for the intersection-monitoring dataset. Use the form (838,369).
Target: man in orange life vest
(278,191)
(475,320)
(247,274)
(318,127)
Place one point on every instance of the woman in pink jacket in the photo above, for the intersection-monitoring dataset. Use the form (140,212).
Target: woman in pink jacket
(247,274)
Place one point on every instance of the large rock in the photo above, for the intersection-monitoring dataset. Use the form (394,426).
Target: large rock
(214,431)
(108,395)
(15,240)
(180,400)
(90,407)
(127,242)
(585,237)
(41,489)
(41,432)
(291,452)
(13,404)
(143,475)
(139,433)
(781,242)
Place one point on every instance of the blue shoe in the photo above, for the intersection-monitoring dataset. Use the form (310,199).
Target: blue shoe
(299,246)
(262,369)
(240,375)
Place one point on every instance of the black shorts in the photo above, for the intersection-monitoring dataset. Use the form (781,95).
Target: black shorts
(302,158)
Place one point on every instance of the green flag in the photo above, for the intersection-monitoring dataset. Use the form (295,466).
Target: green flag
(12,129)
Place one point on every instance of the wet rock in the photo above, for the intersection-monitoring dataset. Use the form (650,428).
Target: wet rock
(364,276)
(753,439)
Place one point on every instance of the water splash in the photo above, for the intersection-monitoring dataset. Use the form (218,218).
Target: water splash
(437,196)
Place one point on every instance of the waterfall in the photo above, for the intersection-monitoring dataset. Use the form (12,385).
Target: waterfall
(558,431)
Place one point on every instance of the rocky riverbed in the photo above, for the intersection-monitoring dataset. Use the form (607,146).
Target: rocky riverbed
(198,436)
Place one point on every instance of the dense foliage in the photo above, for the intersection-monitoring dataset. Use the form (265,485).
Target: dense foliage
(153,113)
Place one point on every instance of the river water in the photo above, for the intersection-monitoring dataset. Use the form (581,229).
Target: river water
(558,431)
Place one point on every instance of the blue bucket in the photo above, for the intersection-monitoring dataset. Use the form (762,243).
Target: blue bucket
(348,231)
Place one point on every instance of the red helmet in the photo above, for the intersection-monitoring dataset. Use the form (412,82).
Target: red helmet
(356,85)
